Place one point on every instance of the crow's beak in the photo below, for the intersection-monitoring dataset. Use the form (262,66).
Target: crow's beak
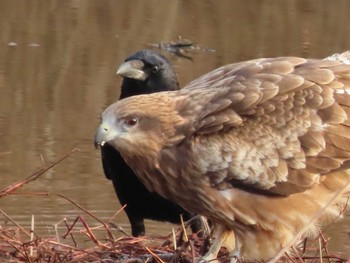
(133,69)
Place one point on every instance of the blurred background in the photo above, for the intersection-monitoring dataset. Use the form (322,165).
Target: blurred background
(57,74)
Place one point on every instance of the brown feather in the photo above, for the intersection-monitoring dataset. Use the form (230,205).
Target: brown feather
(259,147)
(312,143)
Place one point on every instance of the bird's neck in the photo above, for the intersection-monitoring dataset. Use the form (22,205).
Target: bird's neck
(132,88)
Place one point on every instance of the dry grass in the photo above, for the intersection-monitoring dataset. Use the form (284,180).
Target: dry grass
(18,244)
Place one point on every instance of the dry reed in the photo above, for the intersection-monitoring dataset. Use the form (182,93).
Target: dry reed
(18,244)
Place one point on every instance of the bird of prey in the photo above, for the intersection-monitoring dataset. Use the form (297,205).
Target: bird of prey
(261,148)
(144,72)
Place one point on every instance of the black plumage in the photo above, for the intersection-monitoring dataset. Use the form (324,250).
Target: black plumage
(144,72)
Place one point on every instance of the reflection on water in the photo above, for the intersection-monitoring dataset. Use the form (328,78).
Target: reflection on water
(57,74)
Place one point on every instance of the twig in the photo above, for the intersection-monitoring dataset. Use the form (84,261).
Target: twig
(184,229)
(109,232)
(88,230)
(71,234)
(296,253)
(193,251)
(174,238)
(67,246)
(157,258)
(15,223)
(13,187)
(31,236)
(115,225)
(15,247)
(320,249)
(326,257)
(26,255)
(304,245)
(324,241)
(116,213)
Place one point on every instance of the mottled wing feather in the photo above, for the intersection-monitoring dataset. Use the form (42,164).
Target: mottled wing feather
(283,123)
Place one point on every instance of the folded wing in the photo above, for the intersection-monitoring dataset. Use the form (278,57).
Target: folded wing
(274,125)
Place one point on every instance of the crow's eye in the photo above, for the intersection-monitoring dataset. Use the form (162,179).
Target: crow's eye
(131,121)
(155,69)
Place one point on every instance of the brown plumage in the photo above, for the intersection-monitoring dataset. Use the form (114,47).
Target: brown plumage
(259,147)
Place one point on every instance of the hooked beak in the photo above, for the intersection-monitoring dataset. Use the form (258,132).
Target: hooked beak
(133,69)
(109,128)
(104,134)
(100,137)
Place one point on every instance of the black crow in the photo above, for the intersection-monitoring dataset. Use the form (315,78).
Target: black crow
(144,72)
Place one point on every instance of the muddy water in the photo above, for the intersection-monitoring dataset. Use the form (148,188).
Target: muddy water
(57,74)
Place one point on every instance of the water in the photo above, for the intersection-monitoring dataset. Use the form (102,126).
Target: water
(57,74)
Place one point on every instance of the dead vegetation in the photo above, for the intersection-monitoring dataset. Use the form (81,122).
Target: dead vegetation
(18,244)
(181,47)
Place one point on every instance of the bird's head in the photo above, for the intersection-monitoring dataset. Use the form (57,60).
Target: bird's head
(141,125)
(146,71)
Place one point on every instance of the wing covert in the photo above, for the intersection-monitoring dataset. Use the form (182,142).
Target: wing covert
(279,119)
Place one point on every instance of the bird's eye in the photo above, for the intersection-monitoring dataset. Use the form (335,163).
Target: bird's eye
(155,69)
(131,121)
